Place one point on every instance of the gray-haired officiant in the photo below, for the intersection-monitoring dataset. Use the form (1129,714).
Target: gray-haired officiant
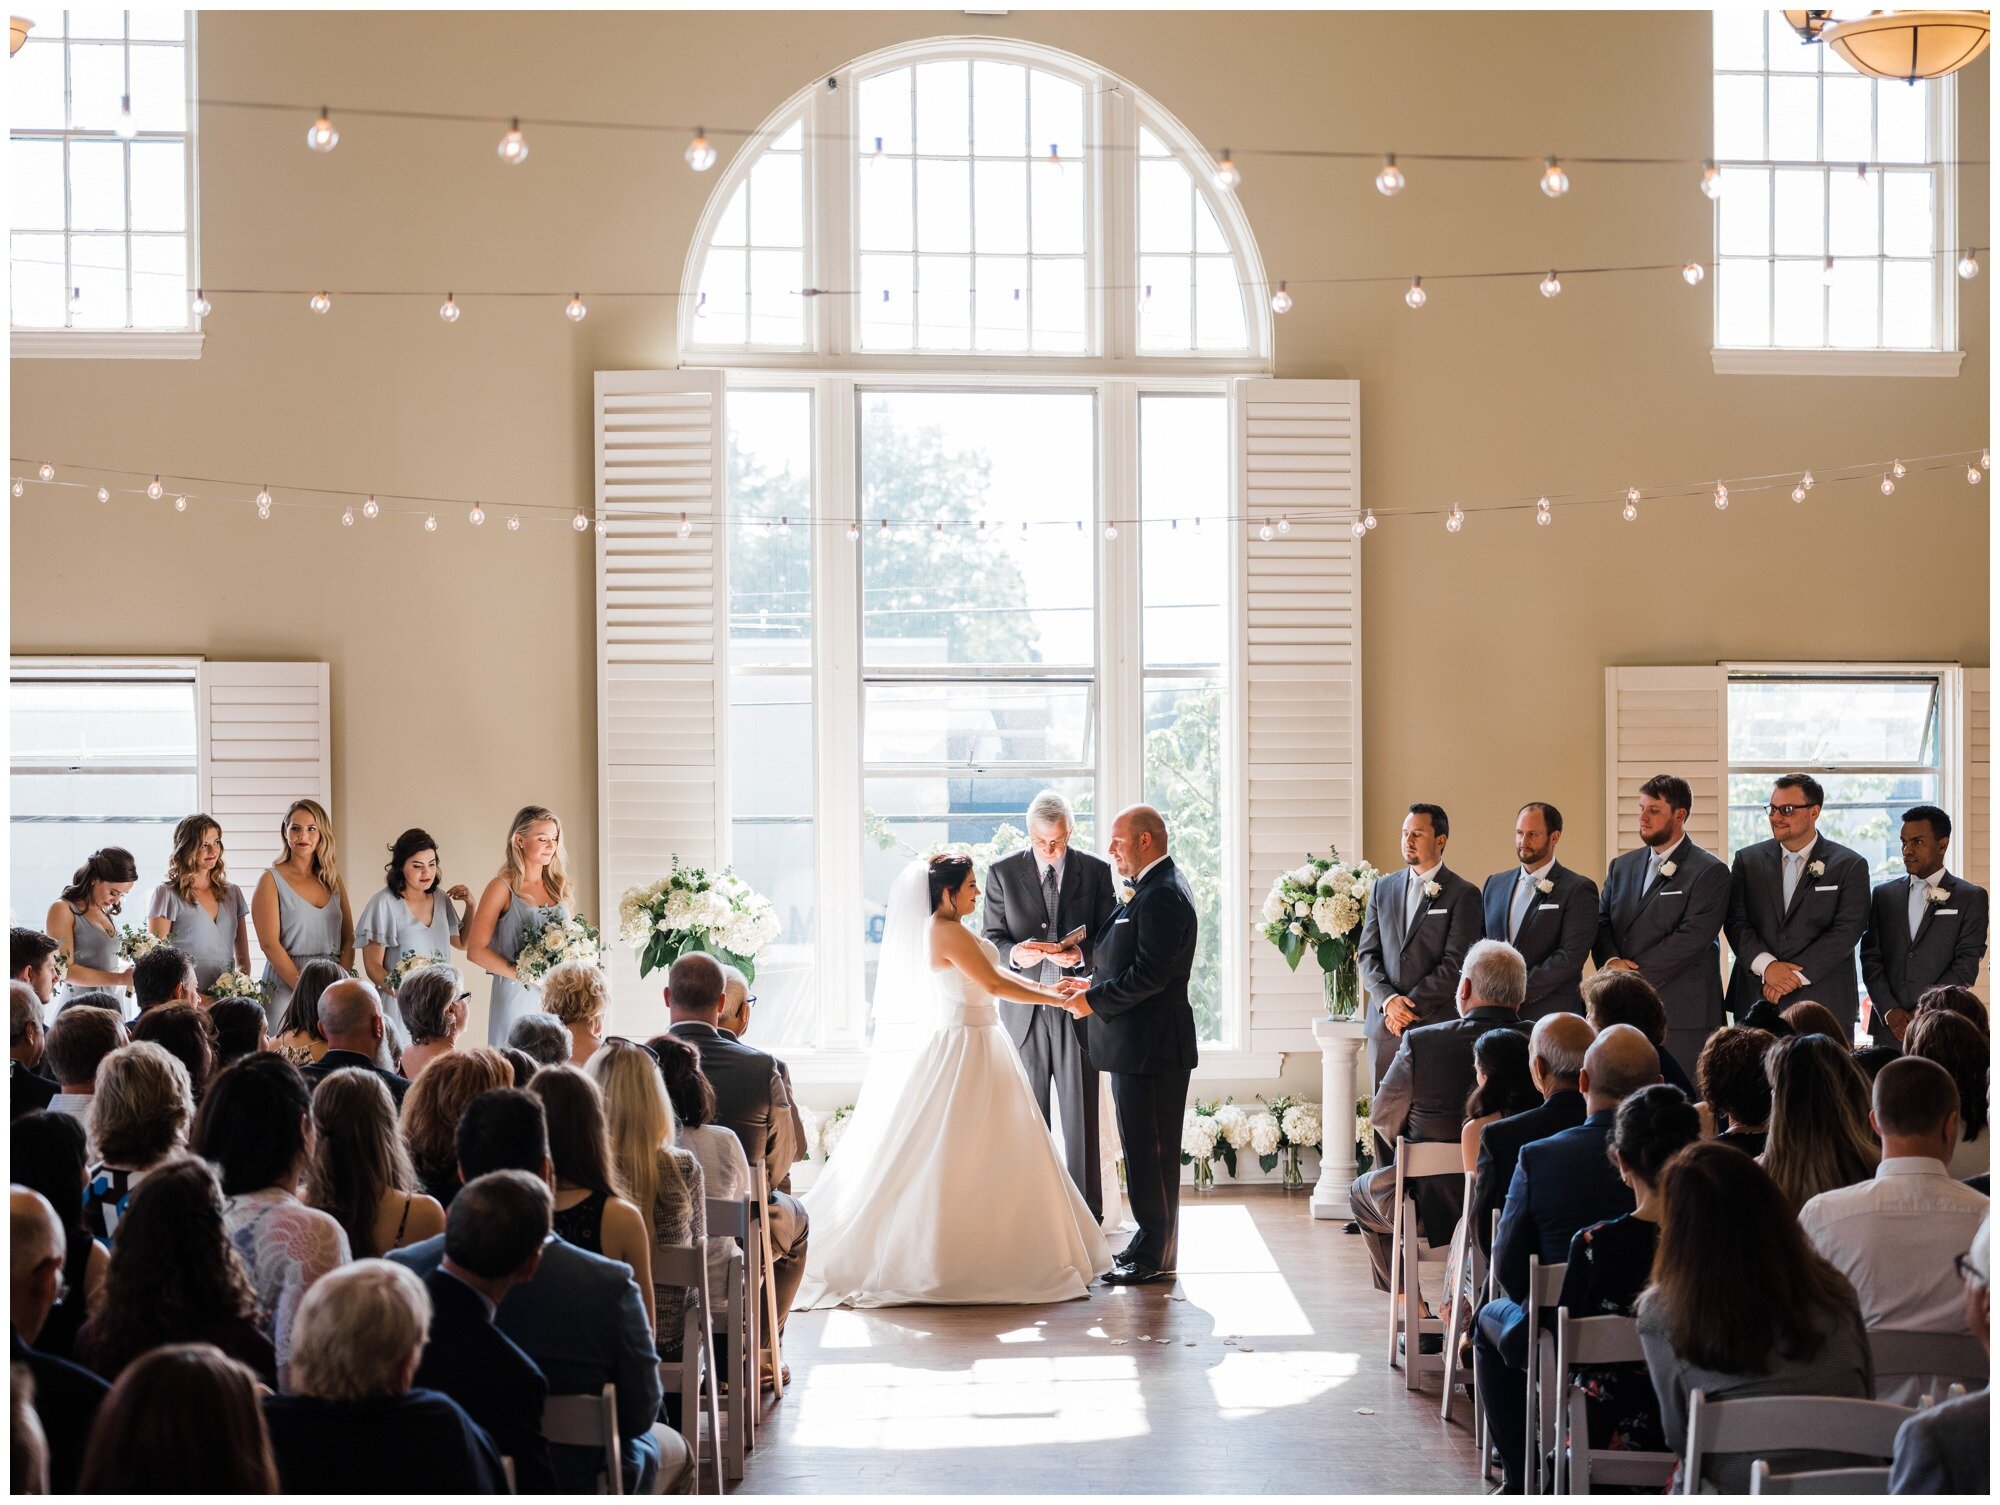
(1035,899)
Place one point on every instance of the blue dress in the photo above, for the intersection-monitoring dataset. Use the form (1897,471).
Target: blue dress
(388,921)
(308,932)
(91,947)
(512,999)
(209,944)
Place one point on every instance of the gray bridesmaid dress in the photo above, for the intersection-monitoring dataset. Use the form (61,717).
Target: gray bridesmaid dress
(388,921)
(308,933)
(91,947)
(209,944)
(512,999)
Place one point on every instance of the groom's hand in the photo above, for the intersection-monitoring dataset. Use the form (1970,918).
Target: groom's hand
(1070,987)
(1065,959)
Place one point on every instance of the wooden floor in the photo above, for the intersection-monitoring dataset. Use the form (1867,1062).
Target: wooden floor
(1261,1371)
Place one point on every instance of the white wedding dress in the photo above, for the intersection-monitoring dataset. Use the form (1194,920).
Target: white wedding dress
(946,1188)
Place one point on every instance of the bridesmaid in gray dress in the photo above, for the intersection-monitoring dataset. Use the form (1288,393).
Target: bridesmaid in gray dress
(532,885)
(198,909)
(412,915)
(84,922)
(300,908)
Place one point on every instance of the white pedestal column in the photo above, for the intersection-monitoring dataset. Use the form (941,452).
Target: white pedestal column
(1339,1050)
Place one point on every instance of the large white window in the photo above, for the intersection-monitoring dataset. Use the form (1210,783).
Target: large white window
(1834,228)
(102,160)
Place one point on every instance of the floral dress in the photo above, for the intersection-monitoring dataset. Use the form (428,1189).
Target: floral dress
(285,1246)
(1609,1265)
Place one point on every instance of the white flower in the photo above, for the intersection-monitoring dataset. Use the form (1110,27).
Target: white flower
(1296,928)
(1667,869)
(835,1130)
(1545,885)
(1939,895)
(1816,869)
(1305,875)
(1264,1134)
(1432,889)
(1198,1138)
(1302,909)
(1361,888)
(1301,1124)
(1274,907)
(1335,915)
(1234,1125)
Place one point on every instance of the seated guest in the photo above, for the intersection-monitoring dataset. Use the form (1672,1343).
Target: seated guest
(1503,1084)
(164,975)
(31,958)
(92,998)
(1610,1263)
(492,1243)
(66,1395)
(1734,1087)
(1741,1305)
(580,1318)
(184,1419)
(1809,1018)
(253,1126)
(30,1090)
(724,1172)
(1872,1058)
(1556,1049)
(1946,1449)
(240,1025)
(176,1278)
(78,1040)
(543,1038)
(1422,1098)
(577,994)
(1819,1137)
(29,1462)
(525,1066)
(350,1017)
(1561,1184)
(433,1003)
(299,1039)
(436,1102)
(185,1032)
(360,1173)
(1620,997)
(591,1208)
(736,1001)
(139,1119)
(1898,1237)
(1956,1000)
(46,1154)
(1961,1048)
(350,1423)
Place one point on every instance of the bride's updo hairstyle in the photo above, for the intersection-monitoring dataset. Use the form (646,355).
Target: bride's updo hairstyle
(948,873)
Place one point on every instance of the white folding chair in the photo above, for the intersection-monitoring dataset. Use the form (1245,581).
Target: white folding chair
(1779,1423)
(767,1279)
(1906,1361)
(588,1421)
(1480,1440)
(1467,1271)
(729,1226)
(1545,1284)
(695,1374)
(1408,1326)
(1579,1466)
(1819,1481)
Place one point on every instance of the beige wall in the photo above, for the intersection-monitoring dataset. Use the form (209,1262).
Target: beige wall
(463,662)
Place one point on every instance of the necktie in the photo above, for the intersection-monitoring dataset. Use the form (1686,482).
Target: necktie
(1794,862)
(1415,888)
(1919,889)
(1653,866)
(1051,898)
(1524,895)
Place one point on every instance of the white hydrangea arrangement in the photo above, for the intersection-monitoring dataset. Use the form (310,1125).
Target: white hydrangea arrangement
(693,909)
(234,984)
(1317,908)
(550,943)
(134,941)
(832,1129)
(412,963)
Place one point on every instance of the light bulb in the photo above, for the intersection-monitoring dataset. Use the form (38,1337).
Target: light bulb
(1827,273)
(1416,297)
(1284,525)
(785,527)
(347,517)
(20,487)
(1267,533)
(1986,459)
(1454,520)
(1888,484)
(1227,173)
(1555,182)
(477,515)
(1721,497)
(1370,519)
(180,504)
(320,135)
(1898,469)
(1807,480)
(449,311)
(853,532)
(1111,531)
(1973,474)
(1968,266)
(1543,516)
(103,494)
(700,154)
(1711,180)
(513,525)
(574,309)
(76,300)
(1390,180)
(320,302)
(1551,284)
(513,146)
(684,529)
(264,498)
(1281,301)
(371,509)
(1692,274)
(154,489)
(1798,493)
(430,522)
(1358,528)
(127,127)
(264,507)
(47,472)
(603,527)
(202,307)
(579,522)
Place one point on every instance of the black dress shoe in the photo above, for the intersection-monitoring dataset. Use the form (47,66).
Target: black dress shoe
(1126,1273)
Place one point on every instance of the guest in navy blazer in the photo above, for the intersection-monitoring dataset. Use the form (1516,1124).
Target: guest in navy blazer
(493,1241)
(1561,1184)
(1555,1059)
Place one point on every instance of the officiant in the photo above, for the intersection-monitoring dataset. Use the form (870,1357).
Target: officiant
(1035,901)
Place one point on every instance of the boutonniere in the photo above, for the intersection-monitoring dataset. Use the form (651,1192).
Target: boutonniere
(1939,895)
(1432,889)
(1666,870)
(1816,869)
(1125,892)
(1545,885)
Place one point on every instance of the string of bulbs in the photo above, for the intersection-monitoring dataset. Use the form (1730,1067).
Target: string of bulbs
(1360,520)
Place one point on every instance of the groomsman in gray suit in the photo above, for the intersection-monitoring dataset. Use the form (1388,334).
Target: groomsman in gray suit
(1798,905)
(1662,908)
(1420,923)
(1544,911)
(1924,931)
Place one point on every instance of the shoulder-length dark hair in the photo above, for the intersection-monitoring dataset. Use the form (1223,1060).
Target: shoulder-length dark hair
(579,1142)
(181,1420)
(1957,1044)
(48,1152)
(948,872)
(1737,1284)
(105,865)
(688,1087)
(302,1010)
(358,1156)
(252,1124)
(1509,1087)
(406,846)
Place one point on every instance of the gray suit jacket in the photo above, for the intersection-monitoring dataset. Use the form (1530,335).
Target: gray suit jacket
(1945,1450)
(1017,910)
(1670,930)
(1420,960)
(1817,933)
(752,1100)
(1950,940)
(1555,935)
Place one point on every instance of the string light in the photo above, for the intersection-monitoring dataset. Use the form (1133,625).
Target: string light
(1711,180)
(1798,493)
(1111,532)
(1986,459)
(201,306)
(1284,525)
(1416,297)
(513,525)
(1281,301)
(1968,265)
(371,509)
(603,526)
(1267,533)
(103,494)
(574,309)
(1551,284)
(430,522)
(320,301)
(785,527)
(1827,274)
(347,517)
(320,135)
(1454,520)
(180,504)
(1973,474)
(20,487)
(684,529)
(126,127)
(1544,515)
(1898,469)
(477,515)
(1227,174)
(449,311)
(47,472)
(1358,528)
(700,154)
(1888,484)
(1390,180)
(1692,274)
(1630,511)
(1721,497)
(854,533)
(1555,182)
(513,146)
(1807,480)
(153,489)
(1370,520)
(264,508)
(76,300)
(579,522)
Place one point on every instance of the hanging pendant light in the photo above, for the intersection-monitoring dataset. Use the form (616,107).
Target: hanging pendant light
(1910,44)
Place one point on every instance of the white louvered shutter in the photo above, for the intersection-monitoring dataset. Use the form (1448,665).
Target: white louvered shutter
(660,719)
(267,740)
(1666,719)
(1972,827)
(1298,458)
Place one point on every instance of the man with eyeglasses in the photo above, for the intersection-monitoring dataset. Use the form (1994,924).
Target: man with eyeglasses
(1946,1449)
(66,1395)
(1798,905)
(1925,930)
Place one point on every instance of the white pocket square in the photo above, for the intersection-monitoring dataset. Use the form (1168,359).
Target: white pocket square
(1944,911)
(1670,893)
(1826,888)
(1548,906)
(1436,914)
(1122,920)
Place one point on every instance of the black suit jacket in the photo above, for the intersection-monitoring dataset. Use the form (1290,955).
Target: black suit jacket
(1555,937)
(66,1400)
(1817,933)
(416,1443)
(1500,1148)
(28,1091)
(1561,1184)
(1141,1022)
(491,1378)
(1950,940)
(1670,930)
(340,1060)
(1419,960)
(1017,910)
(751,1100)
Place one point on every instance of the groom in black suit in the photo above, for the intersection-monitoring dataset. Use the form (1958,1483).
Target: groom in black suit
(1141,1031)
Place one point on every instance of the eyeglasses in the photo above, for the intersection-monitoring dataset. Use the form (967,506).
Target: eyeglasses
(748,999)
(635,1044)
(1967,1270)
(1789,809)
(463,998)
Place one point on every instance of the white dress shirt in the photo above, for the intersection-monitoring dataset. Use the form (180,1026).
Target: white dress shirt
(1042,870)
(1793,866)
(1413,892)
(1920,898)
(1656,859)
(1524,896)
(1140,876)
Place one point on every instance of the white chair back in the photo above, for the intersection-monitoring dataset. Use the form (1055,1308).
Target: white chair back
(695,1373)
(1819,1481)
(766,1279)
(1545,1284)
(1580,1467)
(1781,1423)
(1407,1250)
(588,1421)
(1933,1359)
(1461,1280)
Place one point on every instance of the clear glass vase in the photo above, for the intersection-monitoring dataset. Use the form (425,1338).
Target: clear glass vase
(1289,1168)
(1343,990)
(1204,1174)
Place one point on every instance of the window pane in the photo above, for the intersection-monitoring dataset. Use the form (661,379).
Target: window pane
(1208,236)
(35,77)
(1906,199)
(1801,212)
(1166,207)
(97,270)
(1000,207)
(1853,309)
(886,302)
(1057,118)
(1739,39)
(159,185)
(38,292)
(777,200)
(1061,309)
(1854,210)
(886,207)
(159,88)
(1847,119)
(770,575)
(96,85)
(1739,117)
(944,302)
(771,843)
(732,228)
(1000,111)
(1218,305)
(1798,313)
(1746,212)
(720,317)
(978,724)
(1184,781)
(1906,305)
(38,185)
(942,109)
(777,312)
(1794,119)
(1058,207)
(944,206)
(94,722)
(1902,114)
(159,282)
(96,23)
(1816,723)
(97,185)
(1184,563)
(885,111)
(1002,294)
(1743,303)
(161,25)
(1166,308)
(1863,811)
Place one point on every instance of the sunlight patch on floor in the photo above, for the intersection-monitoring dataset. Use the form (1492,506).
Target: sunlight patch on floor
(1249,1384)
(845,1330)
(1010,1402)
(1228,1271)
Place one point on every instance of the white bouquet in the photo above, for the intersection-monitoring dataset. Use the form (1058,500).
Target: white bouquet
(1318,907)
(550,943)
(692,909)
(412,962)
(1301,1123)
(1265,1137)
(1198,1136)
(134,941)
(234,984)
(1235,1126)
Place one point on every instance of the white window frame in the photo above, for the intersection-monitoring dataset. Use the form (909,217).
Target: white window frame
(132,344)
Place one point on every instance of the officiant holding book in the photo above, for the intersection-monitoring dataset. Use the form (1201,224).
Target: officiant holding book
(1046,909)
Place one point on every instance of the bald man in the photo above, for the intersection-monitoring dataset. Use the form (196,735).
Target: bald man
(66,1395)
(1140,1031)
(1556,1049)
(350,1016)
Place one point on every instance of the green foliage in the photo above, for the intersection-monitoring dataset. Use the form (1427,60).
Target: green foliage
(663,950)
(1184,781)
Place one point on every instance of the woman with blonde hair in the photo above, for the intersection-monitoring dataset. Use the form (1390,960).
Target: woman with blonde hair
(531,888)
(433,1106)
(140,1116)
(198,911)
(1820,1138)
(578,995)
(84,925)
(360,1173)
(592,1210)
(657,1173)
(300,908)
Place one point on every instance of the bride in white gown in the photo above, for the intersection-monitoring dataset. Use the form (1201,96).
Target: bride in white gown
(946,1187)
